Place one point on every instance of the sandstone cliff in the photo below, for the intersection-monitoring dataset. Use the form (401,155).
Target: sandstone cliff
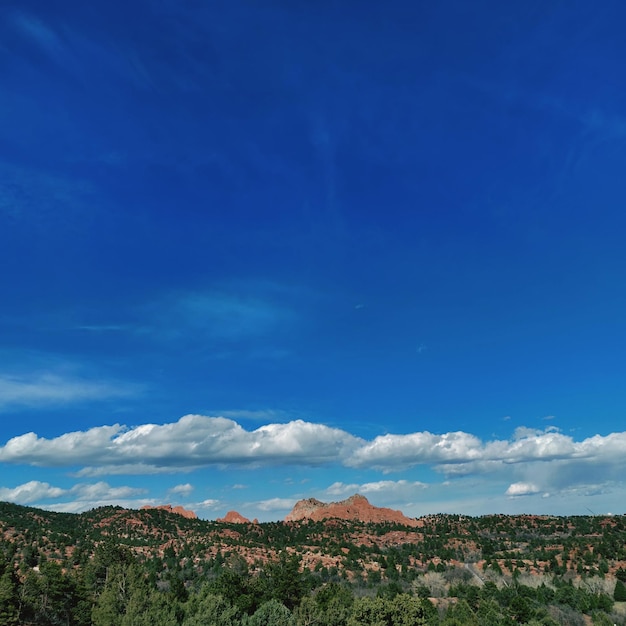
(356,507)
(232,517)
(179,510)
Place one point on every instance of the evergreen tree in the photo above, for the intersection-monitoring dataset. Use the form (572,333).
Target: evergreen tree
(272,613)
(205,608)
(125,593)
(619,595)
(403,610)
(110,605)
(284,580)
(9,599)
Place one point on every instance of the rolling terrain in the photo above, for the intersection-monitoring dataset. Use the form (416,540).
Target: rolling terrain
(442,559)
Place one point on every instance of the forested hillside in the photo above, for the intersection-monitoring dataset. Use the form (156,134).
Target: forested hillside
(112,566)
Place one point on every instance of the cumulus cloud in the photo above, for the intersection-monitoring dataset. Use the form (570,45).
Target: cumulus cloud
(388,452)
(73,448)
(395,452)
(209,504)
(546,459)
(83,495)
(339,489)
(31,491)
(276,504)
(182,490)
(193,441)
(100,491)
(522,489)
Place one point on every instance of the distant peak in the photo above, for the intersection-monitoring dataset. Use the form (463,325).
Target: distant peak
(356,498)
(232,517)
(356,507)
(178,510)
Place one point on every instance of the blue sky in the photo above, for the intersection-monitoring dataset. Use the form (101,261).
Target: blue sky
(255,252)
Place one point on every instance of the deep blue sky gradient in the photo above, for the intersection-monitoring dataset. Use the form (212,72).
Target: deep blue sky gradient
(381,217)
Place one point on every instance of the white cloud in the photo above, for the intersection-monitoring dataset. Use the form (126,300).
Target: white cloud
(388,452)
(183,490)
(102,491)
(522,489)
(470,454)
(193,441)
(387,486)
(68,449)
(339,489)
(549,460)
(208,504)
(84,496)
(30,492)
(78,506)
(276,504)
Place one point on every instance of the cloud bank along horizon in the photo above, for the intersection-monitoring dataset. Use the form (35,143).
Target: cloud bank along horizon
(544,463)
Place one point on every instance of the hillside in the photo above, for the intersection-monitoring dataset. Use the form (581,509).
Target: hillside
(585,545)
(441,557)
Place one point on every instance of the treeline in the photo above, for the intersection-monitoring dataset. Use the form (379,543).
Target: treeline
(114,589)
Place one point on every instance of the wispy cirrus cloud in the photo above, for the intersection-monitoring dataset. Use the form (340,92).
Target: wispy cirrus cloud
(129,469)
(56,389)
(38,32)
(41,199)
(233,312)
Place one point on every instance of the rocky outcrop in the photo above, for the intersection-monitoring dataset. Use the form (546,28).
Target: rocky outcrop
(356,507)
(232,517)
(179,510)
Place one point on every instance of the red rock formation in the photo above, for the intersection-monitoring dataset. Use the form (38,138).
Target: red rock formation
(232,517)
(179,510)
(356,507)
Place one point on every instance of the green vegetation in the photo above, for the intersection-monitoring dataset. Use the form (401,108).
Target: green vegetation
(112,566)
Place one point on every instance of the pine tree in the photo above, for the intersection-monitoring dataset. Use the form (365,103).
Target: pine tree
(9,601)
(272,612)
(619,595)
